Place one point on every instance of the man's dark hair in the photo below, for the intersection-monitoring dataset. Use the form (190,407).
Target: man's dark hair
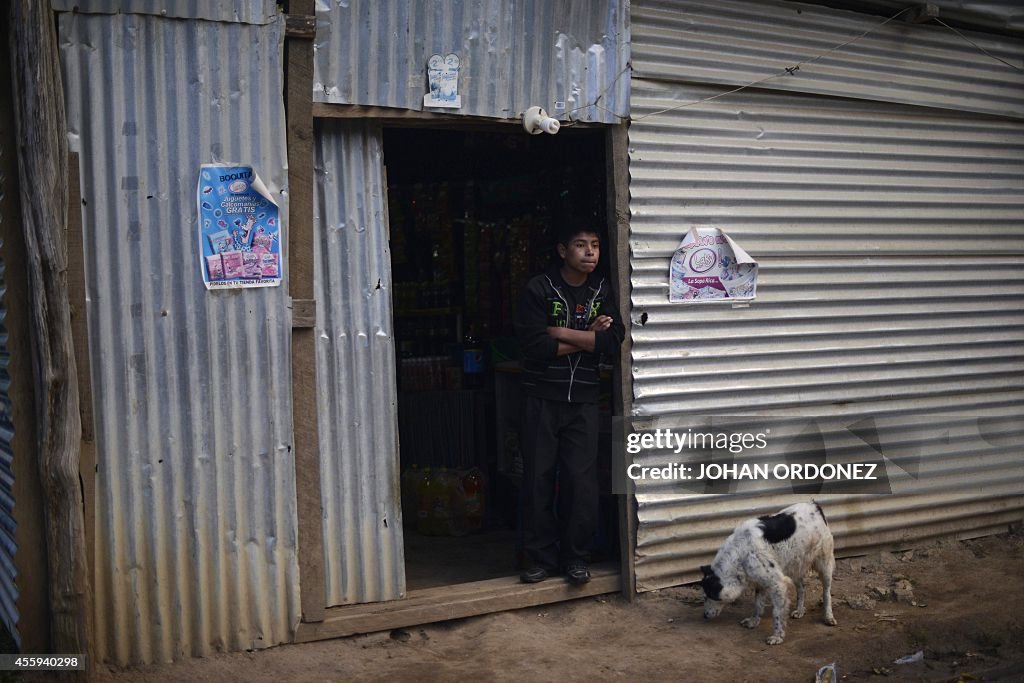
(567,232)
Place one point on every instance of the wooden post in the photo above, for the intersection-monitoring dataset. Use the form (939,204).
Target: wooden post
(301,28)
(617,165)
(80,337)
(42,163)
(30,558)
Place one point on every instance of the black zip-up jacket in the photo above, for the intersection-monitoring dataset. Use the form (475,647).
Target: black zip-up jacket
(549,301)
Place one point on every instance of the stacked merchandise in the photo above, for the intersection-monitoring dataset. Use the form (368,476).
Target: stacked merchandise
(443,502)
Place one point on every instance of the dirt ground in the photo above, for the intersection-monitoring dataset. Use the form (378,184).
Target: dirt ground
(960,603)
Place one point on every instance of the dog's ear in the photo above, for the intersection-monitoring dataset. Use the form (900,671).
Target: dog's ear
(706,570)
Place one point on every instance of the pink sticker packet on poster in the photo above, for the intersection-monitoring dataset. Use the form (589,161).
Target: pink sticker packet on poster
(215,267)
(233,265)
(250,264)
(262,240)
(268,265)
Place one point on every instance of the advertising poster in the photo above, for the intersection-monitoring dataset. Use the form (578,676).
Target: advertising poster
(443,79)
(710,266)
(239,229)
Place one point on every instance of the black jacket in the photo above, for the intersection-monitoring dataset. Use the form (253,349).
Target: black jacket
(549,301)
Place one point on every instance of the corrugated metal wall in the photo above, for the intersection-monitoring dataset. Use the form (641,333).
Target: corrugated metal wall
(196,522)
(364,556)
(514,54)
(891,246)
(736,42)
(8,521)
(995,15)
(235,11)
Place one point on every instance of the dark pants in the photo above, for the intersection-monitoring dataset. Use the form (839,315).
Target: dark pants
(559,439)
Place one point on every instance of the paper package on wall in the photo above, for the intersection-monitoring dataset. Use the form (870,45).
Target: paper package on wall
(710,266)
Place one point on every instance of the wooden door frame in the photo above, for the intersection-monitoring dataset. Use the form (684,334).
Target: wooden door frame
(482,597)
(617,175)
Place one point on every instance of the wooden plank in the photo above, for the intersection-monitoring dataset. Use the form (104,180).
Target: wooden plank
(305,426)
(80,339)
(303,313)
(42,136)
(455,602)
(300,26)
(413,118)
(76,297)
(406,116)
(30,559)
(617,160)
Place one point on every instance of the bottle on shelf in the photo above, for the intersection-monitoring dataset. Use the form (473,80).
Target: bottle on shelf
(472,360)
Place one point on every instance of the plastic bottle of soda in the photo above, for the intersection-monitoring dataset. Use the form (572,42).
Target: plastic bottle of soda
(459,527)
(441,511)
(473,501)
(425,503)
(472,360)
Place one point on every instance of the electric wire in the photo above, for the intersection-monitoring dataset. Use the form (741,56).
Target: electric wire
(978,47)
(628,67)
(787,71)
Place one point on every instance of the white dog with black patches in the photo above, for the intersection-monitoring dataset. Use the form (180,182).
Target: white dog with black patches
(772,553)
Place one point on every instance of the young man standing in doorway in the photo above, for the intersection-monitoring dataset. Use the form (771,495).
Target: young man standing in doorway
(567,320)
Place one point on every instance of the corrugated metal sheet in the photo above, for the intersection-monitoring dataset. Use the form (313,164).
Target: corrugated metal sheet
(891,249)
(235,11)
(196,522)
(514,54)
(364,555)
(996,15)
(735,42)
(8,522)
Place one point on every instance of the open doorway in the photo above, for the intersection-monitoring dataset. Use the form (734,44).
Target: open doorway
(473,214)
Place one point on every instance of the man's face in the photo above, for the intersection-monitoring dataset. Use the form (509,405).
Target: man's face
(582,252)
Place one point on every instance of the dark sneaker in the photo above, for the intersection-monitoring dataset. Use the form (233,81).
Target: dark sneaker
(534,574)
(578,573)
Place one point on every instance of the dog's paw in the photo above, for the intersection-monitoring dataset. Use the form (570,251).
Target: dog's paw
(831,620)
(774,639)
(797,613)
(750,622)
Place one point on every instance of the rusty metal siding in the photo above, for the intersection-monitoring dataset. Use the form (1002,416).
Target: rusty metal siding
(233,11)
(195,510)
(514,55)
(891,247)
(735,42)
(364,557)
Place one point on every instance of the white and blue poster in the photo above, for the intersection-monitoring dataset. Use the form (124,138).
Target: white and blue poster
(443,81)
(239,229)
(710,266)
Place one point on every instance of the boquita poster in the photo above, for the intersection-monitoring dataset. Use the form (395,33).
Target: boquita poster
(239,229)
(710,266)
